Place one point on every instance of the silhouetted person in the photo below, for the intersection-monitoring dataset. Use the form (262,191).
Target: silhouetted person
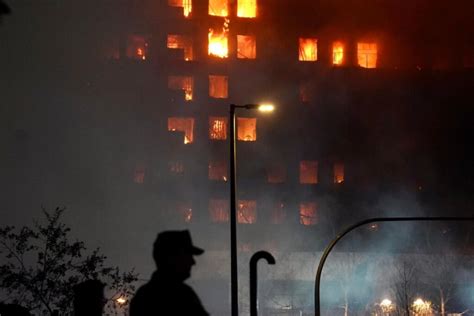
(4,9)
(89,298)
(13,310)
(165,293)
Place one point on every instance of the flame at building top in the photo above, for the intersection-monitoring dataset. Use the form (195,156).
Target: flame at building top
(185,4)
(247,8)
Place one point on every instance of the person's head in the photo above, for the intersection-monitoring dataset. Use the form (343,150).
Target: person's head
(89,298)
(173,253)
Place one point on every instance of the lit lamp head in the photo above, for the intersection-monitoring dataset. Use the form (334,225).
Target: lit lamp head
(262,107)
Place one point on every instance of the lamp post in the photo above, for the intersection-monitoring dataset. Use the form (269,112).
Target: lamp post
(233,211)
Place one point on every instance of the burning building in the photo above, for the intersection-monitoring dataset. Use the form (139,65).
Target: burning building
(372,97)
(347,123)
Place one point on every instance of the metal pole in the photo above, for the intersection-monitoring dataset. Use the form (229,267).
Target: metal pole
(317,307)
(233,217)
(253,277)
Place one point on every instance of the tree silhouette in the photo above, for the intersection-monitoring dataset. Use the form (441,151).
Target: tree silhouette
(41,265)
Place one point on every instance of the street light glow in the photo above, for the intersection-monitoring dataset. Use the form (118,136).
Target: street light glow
(266,107)
(121,300)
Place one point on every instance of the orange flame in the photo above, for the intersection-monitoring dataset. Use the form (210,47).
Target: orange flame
(247,8)
(218,44)
(367,55)
(308,49)
(337,53)
(218,7)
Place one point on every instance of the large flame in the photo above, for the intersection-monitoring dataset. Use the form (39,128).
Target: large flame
(218,44)
(218,7)
(187,7)
(247,8)
(308,49)
(367,55)
(337,53)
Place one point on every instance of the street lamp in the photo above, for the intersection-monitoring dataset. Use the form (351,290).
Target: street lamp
(264,107)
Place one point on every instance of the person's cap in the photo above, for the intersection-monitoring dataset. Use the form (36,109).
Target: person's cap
(174,241)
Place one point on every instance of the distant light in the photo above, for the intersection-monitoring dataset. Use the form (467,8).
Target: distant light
(266,107)
(418,302)
(121,300)
(386,302)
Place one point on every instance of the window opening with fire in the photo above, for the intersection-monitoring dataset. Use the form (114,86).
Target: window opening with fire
(218,86)
(217,128)
(182,124)
(137,47)
(219,210)
(185,83)
(308,49)
(367,55)
(278,214)
(185,4)
(218,170)
(218,42)
(247,8)
(246,129)
(338,172)
(181,42)
(308,172)
(337,53)
(246,212)
(308,213)
(184,211)
(276,173)
(246,47)
(218,7)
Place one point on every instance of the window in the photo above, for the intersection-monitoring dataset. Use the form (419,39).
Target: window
(185,4)
(367,55)
(217,128)
(337,53)
(182,124)
(308,50)
(338,172)
(184,83)
(308,213)
(218,7)
(246,212)
(181,42)
(137,47)
(218,170)
(247,8)
(278,214)
(308,172)
(218,86)
(219,210)
(246,129)
(306,94)
(218,43)
(139,174)
(176,167)
(246,47)
(185,211)
(276,173)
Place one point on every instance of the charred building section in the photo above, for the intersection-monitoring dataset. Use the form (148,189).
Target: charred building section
(367,97)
